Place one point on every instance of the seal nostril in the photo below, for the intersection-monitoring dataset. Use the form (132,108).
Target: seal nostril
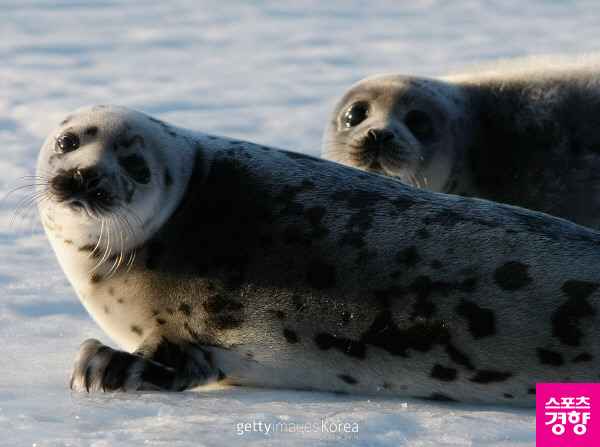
(93,183)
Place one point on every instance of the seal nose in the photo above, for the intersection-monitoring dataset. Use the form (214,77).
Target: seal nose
(87,179)
(380,136)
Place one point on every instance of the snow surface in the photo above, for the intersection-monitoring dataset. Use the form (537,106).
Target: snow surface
(264,71)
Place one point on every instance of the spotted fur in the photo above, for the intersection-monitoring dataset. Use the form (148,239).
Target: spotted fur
(281,270)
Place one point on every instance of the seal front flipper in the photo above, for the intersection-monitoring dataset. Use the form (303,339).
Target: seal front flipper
(163,366)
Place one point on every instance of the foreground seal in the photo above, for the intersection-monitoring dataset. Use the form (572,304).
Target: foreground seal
(211,259)
(526,134)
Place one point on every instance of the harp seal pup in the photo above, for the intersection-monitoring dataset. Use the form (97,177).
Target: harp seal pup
(524,132)
(210,259)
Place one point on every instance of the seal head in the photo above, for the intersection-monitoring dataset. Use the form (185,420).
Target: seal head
(399,126)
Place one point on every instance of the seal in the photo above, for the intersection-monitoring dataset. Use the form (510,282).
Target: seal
(210,259)
(524,132)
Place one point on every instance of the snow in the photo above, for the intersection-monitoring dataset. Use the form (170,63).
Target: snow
(264,71)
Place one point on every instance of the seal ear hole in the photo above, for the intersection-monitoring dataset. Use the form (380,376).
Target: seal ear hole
(356,114)
(137,168)
(420,124)
(67,142)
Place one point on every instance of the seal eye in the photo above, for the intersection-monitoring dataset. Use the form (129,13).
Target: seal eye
(419,123)
(356,114)
(137,168)
(66,143)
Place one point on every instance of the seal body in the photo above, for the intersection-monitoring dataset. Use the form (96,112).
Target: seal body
(526,134)
(270,268)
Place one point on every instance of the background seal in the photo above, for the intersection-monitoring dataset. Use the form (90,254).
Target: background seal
(523,132)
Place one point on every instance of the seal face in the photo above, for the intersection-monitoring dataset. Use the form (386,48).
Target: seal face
(399,126)
(519,134)
(263,267)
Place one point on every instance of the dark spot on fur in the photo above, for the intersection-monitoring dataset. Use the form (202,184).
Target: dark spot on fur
(583,357)
(548,357)
(468,285)
(566,320)
(96,278)
(195,335)
(221,376)
(508,396)
(386,296)
(442,373)
(290,336)
(349,380)
(68,241)
(384,333)
(435,264)
(160,321)
(386,386)
(137,330)
(168,179)
(422,233)
(449,218)
(459,357)
(349,347)
(91,131)
(346,316)
(512,276)
(352,239)
(409,256)
(321,275)
(531,390)
(225,322)
(106,310)
(439,397)
(218,304)
(185,309)
(277,314)
(485,377)
(482,322)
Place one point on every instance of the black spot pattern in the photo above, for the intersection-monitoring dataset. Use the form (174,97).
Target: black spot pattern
(349,347)
(91,131)
(96,278)
(512,276)
(167,177)
(566,320)
(424,287)
(548,357)
(485,377)
(408,257)
(439,397)
(421,336)
(290,336)
(349,380)
(218,304)
(583,357)
(442,373)
(185,309)
(137,330)
(449,218)
(482,322)
(321,275)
